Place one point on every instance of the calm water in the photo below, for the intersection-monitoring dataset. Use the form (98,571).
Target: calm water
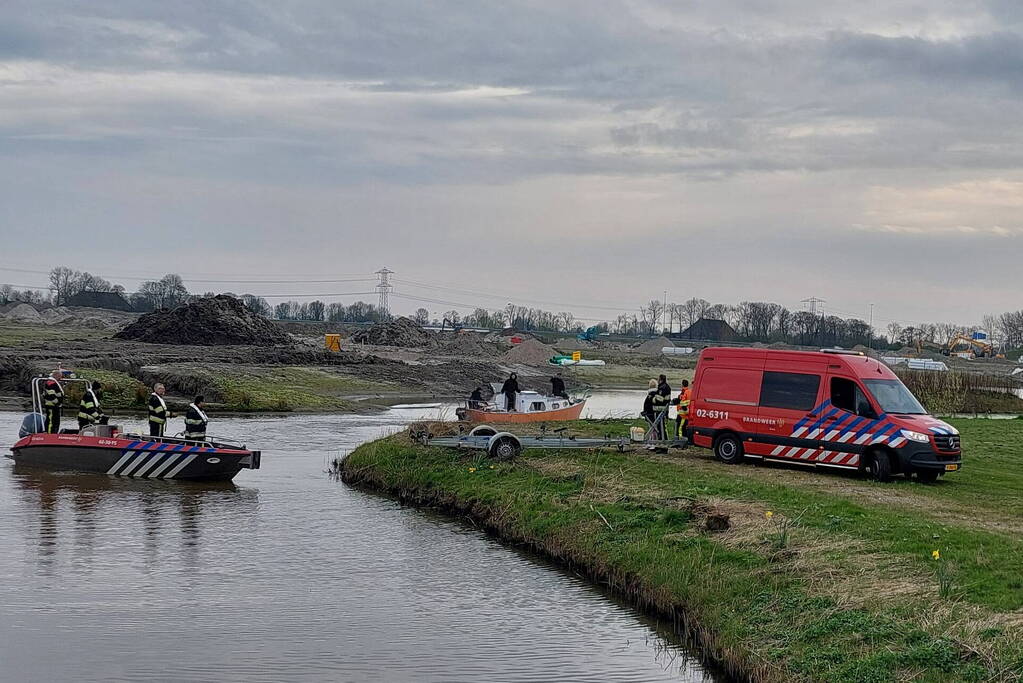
(286,575)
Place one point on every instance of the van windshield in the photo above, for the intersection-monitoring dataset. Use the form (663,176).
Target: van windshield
(893,397)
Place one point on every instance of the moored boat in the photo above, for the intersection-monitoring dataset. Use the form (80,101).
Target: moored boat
(530,406)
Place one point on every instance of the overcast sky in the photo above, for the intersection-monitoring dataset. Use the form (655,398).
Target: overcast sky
(572,152)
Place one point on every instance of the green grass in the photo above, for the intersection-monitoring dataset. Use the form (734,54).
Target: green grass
(839,584)
(288,388)
(18,334)
(120,390)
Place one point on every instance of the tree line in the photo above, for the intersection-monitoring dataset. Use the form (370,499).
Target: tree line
(752,321)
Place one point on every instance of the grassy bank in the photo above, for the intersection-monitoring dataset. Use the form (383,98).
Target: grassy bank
(233,388)
(819,576)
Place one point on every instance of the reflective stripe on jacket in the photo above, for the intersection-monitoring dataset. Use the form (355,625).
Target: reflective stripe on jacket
(88,409)
(157,409)
(53,395)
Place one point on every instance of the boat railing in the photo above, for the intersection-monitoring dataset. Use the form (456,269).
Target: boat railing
(210,443)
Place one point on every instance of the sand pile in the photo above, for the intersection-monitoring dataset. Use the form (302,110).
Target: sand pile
(398,332)
(653,347)
(208,322)
(530,352)
(23,313)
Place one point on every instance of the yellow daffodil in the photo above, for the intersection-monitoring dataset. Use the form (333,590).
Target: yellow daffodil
(491,467)
(936,555)
(472,469)
(769,514)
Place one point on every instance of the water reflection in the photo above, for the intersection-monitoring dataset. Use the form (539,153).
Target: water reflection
(72,509)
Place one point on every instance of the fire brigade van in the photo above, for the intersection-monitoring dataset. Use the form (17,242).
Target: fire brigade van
(829,408)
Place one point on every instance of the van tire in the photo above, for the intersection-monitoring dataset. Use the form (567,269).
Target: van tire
(879,466)
(728,449)
(927,476)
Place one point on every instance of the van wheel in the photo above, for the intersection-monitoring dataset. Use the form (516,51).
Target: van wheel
(728,449)
(879,467)
(927,476)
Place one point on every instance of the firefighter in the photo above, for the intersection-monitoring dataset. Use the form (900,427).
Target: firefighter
(685,397)
(661,401)
(89,410)
(158,412)
(196,421)
(53,402)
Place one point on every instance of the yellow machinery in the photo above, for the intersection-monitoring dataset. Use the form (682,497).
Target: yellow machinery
(979,347)
(332,342)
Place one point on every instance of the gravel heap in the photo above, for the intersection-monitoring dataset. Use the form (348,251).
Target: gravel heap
(530,352)
(653,346)
(398,332)
(214,321)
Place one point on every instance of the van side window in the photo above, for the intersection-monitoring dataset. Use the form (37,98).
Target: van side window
(847,395)
(790,390)
(843,394)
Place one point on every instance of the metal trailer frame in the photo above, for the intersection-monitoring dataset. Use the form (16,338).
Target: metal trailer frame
(503,445)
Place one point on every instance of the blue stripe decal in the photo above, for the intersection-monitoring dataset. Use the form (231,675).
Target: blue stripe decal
(813,414)
(132,445)
(825,416)
(193,449)
(852,427)
(886,431)
(866,428)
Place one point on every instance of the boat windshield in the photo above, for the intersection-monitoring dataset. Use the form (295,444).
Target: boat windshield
(893,397)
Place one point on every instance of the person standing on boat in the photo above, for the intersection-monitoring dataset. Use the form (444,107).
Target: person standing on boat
(90,411)
(53,402)
(196,421)
(510,388)
(158,413)
(476,399)
(558,387)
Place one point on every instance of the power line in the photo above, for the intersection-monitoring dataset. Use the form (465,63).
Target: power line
(506,297)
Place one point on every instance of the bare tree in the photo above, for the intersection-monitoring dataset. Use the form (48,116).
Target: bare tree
(894,329)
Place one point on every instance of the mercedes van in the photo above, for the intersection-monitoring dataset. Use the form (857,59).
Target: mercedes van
(830,408)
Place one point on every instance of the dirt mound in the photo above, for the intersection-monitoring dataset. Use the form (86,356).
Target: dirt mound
(653,347)
(467,344)
(573,345)
(214,321)
(24,313)
(398,332)
(530,352)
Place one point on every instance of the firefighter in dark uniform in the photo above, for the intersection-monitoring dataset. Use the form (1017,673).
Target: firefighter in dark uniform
(89,410)
(53,402)
(158,413)
(196,421)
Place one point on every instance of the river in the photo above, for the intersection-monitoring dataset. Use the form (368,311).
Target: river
(287,575)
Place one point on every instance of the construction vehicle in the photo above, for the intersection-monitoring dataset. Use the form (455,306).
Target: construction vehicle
(960,342)
(589,335)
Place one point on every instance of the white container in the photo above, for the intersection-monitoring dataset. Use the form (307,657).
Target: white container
(638,434)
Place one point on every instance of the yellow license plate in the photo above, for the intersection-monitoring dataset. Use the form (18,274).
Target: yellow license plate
(951,468)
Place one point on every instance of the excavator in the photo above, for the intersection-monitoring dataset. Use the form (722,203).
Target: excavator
(979,347)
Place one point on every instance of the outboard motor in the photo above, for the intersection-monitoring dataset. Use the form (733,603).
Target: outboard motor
(32,424)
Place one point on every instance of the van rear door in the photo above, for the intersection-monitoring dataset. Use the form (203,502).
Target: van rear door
(789,397)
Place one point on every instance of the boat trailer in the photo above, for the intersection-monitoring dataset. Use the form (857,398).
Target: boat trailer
(502,445)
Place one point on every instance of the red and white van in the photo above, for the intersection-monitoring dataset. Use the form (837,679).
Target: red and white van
(827,408)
